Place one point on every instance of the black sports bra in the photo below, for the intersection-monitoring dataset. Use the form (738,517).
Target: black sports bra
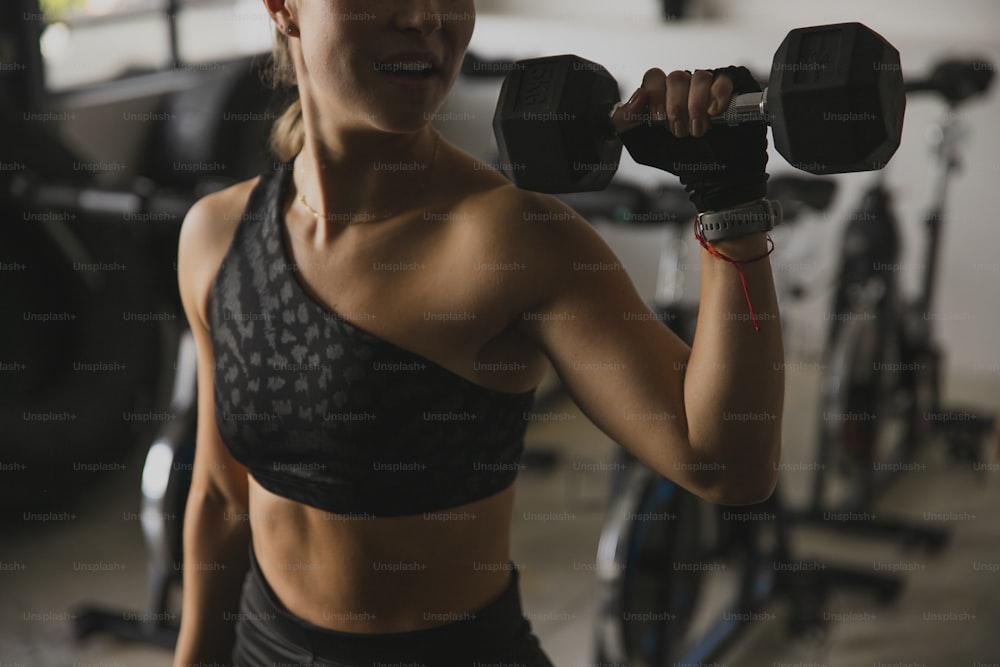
(327,414)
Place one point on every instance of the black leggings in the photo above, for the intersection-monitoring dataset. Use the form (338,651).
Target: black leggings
(268,635)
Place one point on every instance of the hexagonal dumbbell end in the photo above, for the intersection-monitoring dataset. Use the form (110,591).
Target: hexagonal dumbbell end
(836,99)
(552,125)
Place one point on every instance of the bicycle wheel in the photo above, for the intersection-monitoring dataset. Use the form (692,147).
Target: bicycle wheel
(865,411)
(650,563)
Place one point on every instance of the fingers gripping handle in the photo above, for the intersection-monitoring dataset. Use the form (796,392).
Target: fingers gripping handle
(747,100)
(743,108)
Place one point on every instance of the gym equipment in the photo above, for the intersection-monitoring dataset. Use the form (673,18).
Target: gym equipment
(92,310)
(88,274)
(682,579)
(20,30)
(834,100)
(223,122)
(880,395)
(166,479)
(137,279)
(665,558)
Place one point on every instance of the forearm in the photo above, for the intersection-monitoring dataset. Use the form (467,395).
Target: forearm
(734,383)
(215,564)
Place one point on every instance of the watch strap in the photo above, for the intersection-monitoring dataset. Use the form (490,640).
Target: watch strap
(760,216)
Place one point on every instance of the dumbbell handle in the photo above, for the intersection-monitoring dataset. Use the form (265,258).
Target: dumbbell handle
(743,108)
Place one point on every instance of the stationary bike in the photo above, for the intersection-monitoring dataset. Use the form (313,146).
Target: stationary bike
(880,400)
(680,579)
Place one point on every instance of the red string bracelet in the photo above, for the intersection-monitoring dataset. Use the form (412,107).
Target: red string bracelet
(736,263)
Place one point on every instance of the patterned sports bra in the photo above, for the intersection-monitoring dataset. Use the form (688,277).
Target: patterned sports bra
(326,413)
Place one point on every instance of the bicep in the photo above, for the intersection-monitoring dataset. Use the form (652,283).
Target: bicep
(622,366)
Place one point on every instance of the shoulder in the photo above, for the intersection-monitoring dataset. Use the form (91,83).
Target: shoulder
(530,254)
(538,233)
(219,211)
(504,216)
(205,237)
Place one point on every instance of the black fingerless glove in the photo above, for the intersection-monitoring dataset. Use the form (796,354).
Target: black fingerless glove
(723,168)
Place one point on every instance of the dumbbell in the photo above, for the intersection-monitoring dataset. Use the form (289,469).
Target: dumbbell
(834,101)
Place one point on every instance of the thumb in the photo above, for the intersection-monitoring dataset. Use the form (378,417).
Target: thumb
(631,114)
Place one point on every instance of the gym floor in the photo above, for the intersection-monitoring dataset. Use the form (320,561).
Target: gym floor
(947,615)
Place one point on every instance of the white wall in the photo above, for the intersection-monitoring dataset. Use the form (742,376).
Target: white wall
(627,38)
(956,18)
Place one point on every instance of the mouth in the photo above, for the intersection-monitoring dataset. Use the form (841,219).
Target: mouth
(415,68)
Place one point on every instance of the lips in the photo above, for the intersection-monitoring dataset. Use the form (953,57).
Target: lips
(406,67)
(411,65)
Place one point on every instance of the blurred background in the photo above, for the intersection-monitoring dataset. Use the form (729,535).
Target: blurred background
(117,114)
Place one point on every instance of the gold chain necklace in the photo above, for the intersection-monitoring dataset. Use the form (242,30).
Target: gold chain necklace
(363,217)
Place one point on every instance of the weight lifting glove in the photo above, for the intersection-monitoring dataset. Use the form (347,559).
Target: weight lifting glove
(722,169)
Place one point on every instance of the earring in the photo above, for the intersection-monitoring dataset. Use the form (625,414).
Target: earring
(288,30)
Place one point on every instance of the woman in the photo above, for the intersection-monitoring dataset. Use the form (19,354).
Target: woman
(372,319)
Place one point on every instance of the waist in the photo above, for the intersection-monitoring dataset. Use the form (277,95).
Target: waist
(497,625)
(359,573)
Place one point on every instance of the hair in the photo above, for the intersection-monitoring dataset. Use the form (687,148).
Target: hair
(288,132)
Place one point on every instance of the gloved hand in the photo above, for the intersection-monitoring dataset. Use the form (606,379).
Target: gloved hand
(720,166)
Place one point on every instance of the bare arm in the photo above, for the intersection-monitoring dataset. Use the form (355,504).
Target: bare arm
(216,526)
(709,416)
(735,382)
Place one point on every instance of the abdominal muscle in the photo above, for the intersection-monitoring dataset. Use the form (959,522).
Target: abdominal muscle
(355,573)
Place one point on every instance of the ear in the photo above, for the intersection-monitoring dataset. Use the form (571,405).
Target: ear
(283,15)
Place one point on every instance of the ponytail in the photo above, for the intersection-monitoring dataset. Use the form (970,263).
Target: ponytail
(288,132)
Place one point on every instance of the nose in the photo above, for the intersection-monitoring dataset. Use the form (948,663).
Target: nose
(423,17)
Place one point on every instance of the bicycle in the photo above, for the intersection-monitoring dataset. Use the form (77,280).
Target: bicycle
(649,615)
(652,616)
(880,397)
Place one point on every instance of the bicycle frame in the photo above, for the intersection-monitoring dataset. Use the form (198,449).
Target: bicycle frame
(875,327)
(875,222)
(697,531)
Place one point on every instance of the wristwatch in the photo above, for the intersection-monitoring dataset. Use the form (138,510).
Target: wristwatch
(760,216)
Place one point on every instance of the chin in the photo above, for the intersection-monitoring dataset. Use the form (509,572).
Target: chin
(406,123)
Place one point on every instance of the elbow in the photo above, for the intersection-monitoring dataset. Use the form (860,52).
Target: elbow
(747,489)
(744,480)
(744,488)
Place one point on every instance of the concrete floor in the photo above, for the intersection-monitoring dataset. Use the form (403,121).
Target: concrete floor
(947,616)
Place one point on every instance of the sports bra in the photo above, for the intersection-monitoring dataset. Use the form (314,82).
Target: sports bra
(325,413)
